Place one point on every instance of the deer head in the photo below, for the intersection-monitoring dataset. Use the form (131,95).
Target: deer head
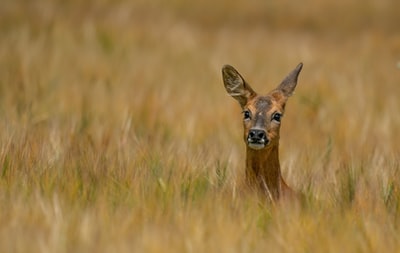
(262,115)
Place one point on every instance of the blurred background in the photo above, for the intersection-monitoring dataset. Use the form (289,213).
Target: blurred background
(95,65)
(105,104)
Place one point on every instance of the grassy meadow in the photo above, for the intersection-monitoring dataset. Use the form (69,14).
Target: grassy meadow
(117,135)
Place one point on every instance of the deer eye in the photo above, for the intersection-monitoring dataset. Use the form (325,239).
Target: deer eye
(277,117)
(246,115)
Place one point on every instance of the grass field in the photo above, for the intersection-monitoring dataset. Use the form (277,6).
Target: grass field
(117,134)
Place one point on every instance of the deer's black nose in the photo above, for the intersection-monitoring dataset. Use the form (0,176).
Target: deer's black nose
(257,136)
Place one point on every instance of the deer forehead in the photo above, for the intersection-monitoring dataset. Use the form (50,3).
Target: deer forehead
(263,105)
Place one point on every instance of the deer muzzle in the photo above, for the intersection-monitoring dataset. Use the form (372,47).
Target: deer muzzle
(257,138)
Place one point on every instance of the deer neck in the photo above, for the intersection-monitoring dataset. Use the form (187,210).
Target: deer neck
(263,168)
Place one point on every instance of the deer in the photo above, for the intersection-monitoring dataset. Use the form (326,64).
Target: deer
(262,115)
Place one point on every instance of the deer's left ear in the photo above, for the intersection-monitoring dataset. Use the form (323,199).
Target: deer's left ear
(236,86)
(289,83)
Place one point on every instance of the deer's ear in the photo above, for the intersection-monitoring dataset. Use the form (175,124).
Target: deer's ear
(289,83)
(236,86)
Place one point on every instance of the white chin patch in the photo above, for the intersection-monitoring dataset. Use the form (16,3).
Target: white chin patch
(256,146)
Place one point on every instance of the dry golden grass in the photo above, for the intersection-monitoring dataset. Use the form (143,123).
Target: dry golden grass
(117,134)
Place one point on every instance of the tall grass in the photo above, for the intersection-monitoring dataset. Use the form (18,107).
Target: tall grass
(117,136)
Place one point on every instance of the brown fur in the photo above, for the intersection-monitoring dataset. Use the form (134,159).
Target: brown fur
(262,162)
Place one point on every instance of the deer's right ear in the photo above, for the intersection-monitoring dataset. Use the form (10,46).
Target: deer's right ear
(236,86)
(289,83)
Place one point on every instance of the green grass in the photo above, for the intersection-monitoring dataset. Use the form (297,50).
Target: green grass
(116,134)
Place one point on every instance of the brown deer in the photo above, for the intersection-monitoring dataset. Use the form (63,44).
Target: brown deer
(262,120)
